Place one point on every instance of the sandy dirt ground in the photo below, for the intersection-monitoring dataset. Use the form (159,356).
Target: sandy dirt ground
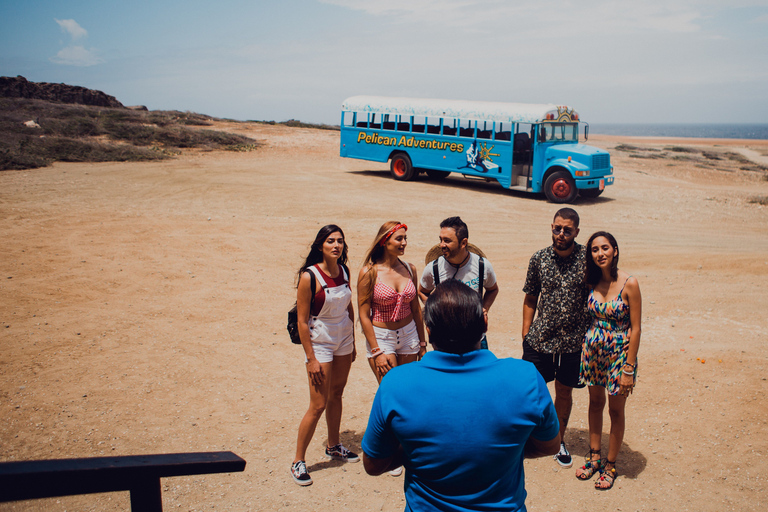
(143,306)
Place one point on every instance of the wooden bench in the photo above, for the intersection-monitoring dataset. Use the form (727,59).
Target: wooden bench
(139,474)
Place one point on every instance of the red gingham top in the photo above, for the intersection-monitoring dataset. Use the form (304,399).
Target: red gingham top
(388,305)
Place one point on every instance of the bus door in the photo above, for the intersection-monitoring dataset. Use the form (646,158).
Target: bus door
(542,139)
(522,155)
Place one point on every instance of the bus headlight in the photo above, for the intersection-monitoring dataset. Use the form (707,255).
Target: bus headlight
(583,174)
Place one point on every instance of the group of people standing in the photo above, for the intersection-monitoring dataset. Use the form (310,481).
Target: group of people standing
(587,332)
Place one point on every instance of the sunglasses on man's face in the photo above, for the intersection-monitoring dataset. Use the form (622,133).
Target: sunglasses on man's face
(566,231)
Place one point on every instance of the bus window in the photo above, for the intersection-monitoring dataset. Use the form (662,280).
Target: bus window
(559,132)
(466,128)
(485,131)
(501,134)
(418,124)
(349,118)
(387,122)
(449,126)
(362,120)
(373,123)
(433,125)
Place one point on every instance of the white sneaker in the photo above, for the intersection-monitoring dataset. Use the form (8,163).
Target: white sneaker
(563,457)
(396,471)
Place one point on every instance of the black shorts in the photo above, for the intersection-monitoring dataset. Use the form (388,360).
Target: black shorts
(564,367)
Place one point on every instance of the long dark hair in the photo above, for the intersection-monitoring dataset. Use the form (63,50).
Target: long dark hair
(316,251)
(593,273)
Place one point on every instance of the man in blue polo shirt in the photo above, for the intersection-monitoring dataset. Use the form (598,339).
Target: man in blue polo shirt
(460,420)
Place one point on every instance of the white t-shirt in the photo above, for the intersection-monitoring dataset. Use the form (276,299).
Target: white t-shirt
(468,274)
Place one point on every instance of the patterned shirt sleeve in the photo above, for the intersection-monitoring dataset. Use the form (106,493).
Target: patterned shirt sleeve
(533,280)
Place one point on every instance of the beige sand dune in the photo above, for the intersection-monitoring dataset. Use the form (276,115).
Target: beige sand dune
(142,310)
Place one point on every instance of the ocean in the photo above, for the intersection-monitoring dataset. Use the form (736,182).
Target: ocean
(703,131)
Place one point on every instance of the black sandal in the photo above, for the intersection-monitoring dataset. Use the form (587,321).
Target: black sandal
(591,466)
(607,475)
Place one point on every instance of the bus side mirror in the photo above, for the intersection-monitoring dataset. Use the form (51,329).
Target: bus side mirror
(586,132)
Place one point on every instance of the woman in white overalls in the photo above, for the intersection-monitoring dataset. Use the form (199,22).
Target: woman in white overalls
(326,328)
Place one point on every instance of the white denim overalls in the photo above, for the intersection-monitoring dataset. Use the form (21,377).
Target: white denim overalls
(332,330)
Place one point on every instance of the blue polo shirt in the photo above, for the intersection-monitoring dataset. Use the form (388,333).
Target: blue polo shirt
(463,421)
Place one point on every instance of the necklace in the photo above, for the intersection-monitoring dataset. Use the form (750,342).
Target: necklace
(458,267)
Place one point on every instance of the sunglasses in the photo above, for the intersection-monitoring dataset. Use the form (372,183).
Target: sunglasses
(566,231)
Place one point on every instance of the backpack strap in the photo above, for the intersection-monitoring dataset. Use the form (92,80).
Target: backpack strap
(346,273)
(481,269)
(318,275)
(436,272)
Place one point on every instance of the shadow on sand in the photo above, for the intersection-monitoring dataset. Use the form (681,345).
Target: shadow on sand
(630,463)
(487,186)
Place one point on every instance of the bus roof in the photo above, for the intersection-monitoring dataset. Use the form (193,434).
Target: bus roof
(474,110)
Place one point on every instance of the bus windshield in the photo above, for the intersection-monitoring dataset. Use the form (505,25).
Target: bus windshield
(559,132)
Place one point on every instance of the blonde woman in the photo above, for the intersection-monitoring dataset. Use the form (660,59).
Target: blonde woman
(388,302)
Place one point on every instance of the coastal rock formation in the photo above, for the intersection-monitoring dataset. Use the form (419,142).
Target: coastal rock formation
(20,87)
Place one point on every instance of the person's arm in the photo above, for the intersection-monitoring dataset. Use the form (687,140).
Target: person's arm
(417,318)
(535,448)
(364,313)
(490,296)
(427,284)
(635,301)
(351,313)
(529,311)
(548,424)
(531,289)
(424,294)
(303,300)
(376,467)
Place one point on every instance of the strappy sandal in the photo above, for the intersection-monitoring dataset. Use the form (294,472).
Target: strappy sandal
(591,466)
(607,475)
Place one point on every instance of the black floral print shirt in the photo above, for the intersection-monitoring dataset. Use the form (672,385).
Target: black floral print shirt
(562,318)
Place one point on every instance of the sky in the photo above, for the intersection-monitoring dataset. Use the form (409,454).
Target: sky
(614,61)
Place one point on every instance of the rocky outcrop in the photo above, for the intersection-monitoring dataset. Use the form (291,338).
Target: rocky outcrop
(20,87)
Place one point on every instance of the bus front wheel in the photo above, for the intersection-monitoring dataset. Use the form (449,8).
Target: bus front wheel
(401,167)
(560,187)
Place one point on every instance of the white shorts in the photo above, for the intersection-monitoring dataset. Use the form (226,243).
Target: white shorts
(403,341)
(329,340)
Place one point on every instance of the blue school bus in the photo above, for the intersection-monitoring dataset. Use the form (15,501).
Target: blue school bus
(528,147)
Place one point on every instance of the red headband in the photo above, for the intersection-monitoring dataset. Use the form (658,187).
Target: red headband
(392,232)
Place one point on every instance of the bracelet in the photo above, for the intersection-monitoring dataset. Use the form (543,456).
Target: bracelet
(627,373)
(422,344)
(634,366)
(375,350)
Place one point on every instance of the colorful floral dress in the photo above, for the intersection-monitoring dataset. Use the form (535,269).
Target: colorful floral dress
(606,344)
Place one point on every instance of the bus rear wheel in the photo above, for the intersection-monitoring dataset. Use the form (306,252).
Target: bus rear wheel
(560,187)
(434,174)
(400,167)
(590,193)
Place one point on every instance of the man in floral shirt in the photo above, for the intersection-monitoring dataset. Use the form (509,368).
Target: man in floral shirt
(555,287)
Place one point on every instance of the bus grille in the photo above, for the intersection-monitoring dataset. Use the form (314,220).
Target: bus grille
(601,161)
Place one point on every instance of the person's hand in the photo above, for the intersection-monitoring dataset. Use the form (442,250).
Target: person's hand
(422,351)
(382,364)
(626,384)
(315,371)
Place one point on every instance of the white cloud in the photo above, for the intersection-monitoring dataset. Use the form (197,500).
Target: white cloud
(72,28)
(77,56)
